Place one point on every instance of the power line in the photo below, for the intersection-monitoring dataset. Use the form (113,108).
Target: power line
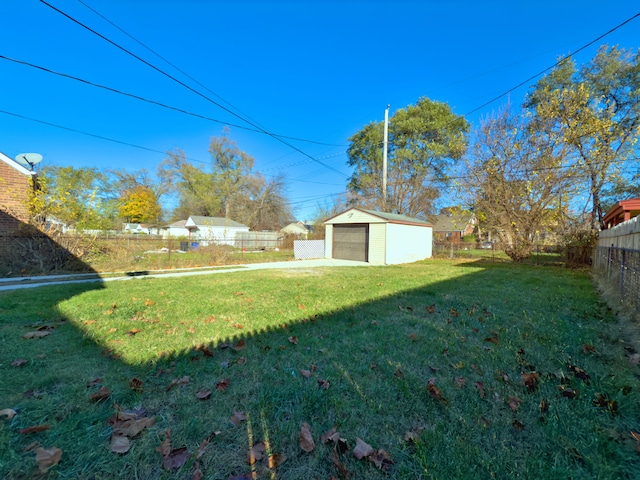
(159,70)
(121,142)
(559,62)
(101,137)
(153,102)
(164,59)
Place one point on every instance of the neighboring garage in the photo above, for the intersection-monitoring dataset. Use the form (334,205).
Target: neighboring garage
(377,237)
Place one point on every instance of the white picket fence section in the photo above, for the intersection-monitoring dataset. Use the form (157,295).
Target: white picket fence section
(308,249)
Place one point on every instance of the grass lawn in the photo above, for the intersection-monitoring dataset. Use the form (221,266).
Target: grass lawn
(446,369)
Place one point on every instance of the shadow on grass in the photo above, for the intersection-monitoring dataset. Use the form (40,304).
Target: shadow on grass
(367,365)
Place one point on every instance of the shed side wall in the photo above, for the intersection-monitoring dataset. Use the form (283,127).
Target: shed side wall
(408,243)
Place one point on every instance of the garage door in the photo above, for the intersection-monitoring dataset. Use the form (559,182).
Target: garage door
(351,242)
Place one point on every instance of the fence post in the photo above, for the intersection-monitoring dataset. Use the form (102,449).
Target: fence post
(622,267)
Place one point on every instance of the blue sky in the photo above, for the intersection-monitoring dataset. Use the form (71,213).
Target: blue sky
(313,70)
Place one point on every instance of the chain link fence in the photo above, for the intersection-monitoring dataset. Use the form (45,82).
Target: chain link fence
(558,255)
(619,268)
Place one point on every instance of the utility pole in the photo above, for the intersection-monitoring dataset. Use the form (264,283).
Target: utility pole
(384,157)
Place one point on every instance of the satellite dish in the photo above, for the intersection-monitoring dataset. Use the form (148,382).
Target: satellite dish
(28,159)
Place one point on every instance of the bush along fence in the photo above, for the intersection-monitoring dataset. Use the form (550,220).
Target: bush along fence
(559,255)
(617,261)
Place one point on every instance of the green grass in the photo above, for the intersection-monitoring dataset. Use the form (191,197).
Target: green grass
(370,335)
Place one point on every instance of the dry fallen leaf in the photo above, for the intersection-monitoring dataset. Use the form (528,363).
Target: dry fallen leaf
(293,339)
(275,460)
(530,380)
(36,428)
(306,373)
(381,459)
(330,436)
(135,384)
(36,334)
(480,387)
(101,394)
(222,385)
(324,384)
(176,458)
(19,362)
(362,449)
(544,405)
(436,393)
(47,458)
(514,403)
(237,418)
(306,440)
(256,453)
(518,425)
(119,444)
(240,344)
(177,381)
(203,394)
(8,413)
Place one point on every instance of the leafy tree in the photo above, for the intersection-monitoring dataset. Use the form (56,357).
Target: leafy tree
(80,197)
(516,181)
(264,206)
(194,187)
(232,169)
(424,141)
(140,205)
(229,188)
(596,111)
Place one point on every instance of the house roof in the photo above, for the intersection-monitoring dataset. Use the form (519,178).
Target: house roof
(448,223)
(12,163)
(198,221)
(622,211)
(388,217)
(178,224)
(295,228)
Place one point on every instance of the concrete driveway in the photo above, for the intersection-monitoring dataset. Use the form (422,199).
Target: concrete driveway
(33,282)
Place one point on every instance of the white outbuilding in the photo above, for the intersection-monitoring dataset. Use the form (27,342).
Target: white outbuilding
(378,238)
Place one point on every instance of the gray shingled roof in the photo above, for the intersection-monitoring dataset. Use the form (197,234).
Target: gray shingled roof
(215,222)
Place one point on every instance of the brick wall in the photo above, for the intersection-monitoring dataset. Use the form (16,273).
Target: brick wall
(14,195)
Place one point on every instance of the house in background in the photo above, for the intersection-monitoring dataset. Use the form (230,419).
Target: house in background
(176,229)
(298,229)
(218,230)
(450,227)
(621,212)
(141,228)
(378,238)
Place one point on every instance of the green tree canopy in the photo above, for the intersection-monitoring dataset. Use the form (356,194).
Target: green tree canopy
(596,111)
(82,198)
(425,139)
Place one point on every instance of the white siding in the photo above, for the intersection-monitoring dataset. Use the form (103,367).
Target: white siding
(328,241)
(408,243)
(377,243)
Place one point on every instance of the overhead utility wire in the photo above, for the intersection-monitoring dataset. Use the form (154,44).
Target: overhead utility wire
(91,134)
(559,62)
(165,60)
(159,70)
(121,142)
(153,102)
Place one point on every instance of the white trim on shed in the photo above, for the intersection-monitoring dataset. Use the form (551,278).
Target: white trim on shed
(377,237)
